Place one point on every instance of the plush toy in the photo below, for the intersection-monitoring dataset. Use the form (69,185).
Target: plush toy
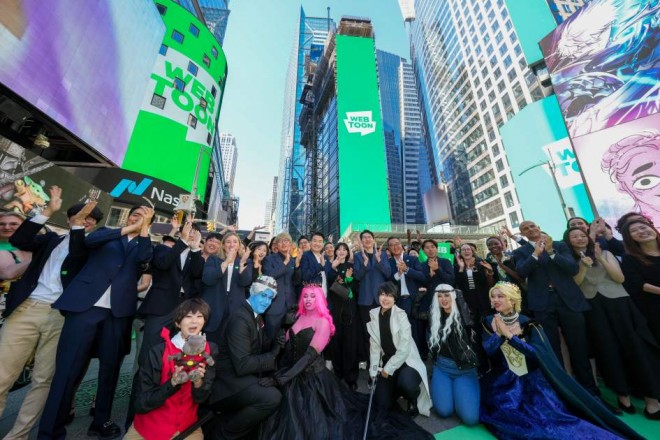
(192,354)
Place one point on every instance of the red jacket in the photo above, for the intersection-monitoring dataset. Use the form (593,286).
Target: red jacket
(179,409)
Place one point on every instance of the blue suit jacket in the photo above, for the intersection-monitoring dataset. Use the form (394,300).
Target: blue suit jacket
(370,277)
(284,275)
(169,277)
(113,262)
(444,274)
(223,299)
(311,269)
(415,277)
(26,239)
(545,271)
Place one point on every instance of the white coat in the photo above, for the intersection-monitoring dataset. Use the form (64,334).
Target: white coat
(406,352)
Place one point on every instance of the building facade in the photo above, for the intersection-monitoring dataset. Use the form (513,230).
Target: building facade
(388,86)
(229,153)
(343,131)
(472,78)
(309,40)
(562,9)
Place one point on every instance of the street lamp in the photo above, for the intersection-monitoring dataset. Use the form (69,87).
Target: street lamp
(551,166)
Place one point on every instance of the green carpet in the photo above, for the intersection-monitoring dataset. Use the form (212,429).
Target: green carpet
(645,427)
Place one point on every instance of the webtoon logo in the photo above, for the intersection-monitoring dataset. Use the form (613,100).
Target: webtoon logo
(360,122)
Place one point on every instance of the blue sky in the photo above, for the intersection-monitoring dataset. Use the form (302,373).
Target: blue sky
(258,44)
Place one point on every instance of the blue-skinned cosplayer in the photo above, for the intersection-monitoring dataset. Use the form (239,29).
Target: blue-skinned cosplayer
(243,403)
(527,394)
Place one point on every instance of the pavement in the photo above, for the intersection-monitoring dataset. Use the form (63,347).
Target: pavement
(78,428)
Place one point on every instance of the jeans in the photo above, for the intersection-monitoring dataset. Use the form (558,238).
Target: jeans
(454,389)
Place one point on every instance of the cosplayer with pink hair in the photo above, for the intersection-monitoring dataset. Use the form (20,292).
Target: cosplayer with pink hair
(313,312)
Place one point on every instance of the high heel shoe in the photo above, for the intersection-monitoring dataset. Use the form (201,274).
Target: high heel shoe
(628,409)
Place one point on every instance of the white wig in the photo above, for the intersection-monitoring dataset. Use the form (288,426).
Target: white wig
(439,336)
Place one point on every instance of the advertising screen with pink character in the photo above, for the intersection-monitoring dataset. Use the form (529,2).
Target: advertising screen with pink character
(604,66)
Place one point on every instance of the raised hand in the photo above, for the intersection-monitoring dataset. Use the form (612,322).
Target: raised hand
(459,260)
(377,252)
(365,258)
(245,255)
(185,232)
(231,255)
(195,239)
(402,268)
(335,263)
(539,247)
(458,241)
(55,202)
(175,223)
(79,218)
(487,266)
(349,272)
(433,264)
(598,251)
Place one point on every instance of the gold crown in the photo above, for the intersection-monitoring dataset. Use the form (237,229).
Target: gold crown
(507,284)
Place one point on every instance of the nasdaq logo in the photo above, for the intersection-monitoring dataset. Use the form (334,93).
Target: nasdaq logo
(360,122)
(131,187)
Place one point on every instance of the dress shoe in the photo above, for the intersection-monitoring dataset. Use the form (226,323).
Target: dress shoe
(652,416)
(412,409)
(613,409)
(107,431)
(628,409)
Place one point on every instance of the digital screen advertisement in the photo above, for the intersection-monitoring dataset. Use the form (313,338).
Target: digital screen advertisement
(85,67)
(362,165)
(603,62)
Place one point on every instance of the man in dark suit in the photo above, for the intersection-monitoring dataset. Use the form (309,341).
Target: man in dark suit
(282,267)
(554,297)
(174,272)
(244,403)
(32,326)
(98,308)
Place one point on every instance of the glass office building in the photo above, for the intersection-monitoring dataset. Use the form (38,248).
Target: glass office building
(309,41)
(472,78)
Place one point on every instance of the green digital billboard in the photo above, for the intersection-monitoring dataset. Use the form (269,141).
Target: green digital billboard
(177,122)
(363,188)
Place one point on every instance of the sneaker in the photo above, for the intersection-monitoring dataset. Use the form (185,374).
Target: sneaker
(107,431)
(363,365)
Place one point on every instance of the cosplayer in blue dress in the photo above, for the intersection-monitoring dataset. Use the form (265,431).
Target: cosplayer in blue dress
(527,394)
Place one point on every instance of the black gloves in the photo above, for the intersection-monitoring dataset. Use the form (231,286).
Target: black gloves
(282,377)
(280,342)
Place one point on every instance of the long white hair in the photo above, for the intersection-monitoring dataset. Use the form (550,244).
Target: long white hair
(439,335)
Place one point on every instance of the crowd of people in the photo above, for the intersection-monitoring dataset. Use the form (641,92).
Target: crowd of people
(247,339)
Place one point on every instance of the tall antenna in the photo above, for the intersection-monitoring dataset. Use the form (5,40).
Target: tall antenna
(328,19)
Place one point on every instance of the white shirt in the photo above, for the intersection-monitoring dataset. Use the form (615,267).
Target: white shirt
(49,285)
(230,272)
(324,281)
(183,257)
(402,278)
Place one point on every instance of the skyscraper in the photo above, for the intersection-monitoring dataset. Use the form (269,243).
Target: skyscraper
(308,44)
(562,9)
(388,85)
(415,168)
(216,14)
(343,132)
(229,158)
(472,77)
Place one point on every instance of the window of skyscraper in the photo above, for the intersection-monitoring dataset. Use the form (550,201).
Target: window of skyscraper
(177,36)
(499,165)
(179,84)
(194,30)
(209,138)
(508,199)
(214,52)
(158,101)
(192,68)
(514,219)
(495,150)
(206,60)
(161,9)
(163,49)
(192,120)
(202,103)
(504,181)
(214,91)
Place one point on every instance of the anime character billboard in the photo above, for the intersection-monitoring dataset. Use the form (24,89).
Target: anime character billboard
(622,168)
(603,62)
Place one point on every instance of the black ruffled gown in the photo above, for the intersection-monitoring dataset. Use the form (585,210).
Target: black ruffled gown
(317,405)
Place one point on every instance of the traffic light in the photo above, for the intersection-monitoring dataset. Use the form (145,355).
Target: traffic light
(210,226)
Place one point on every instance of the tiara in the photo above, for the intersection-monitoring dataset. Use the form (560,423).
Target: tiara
(267,281)
(507,284)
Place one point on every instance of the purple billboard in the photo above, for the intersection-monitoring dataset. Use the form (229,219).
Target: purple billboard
(84,64)
(603,62)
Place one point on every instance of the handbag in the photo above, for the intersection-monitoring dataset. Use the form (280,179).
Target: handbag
(340,290)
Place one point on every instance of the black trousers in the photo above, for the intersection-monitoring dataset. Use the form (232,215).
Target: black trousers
(79,334)
(404,382)
(574,328)
(345,344)
(244,411)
